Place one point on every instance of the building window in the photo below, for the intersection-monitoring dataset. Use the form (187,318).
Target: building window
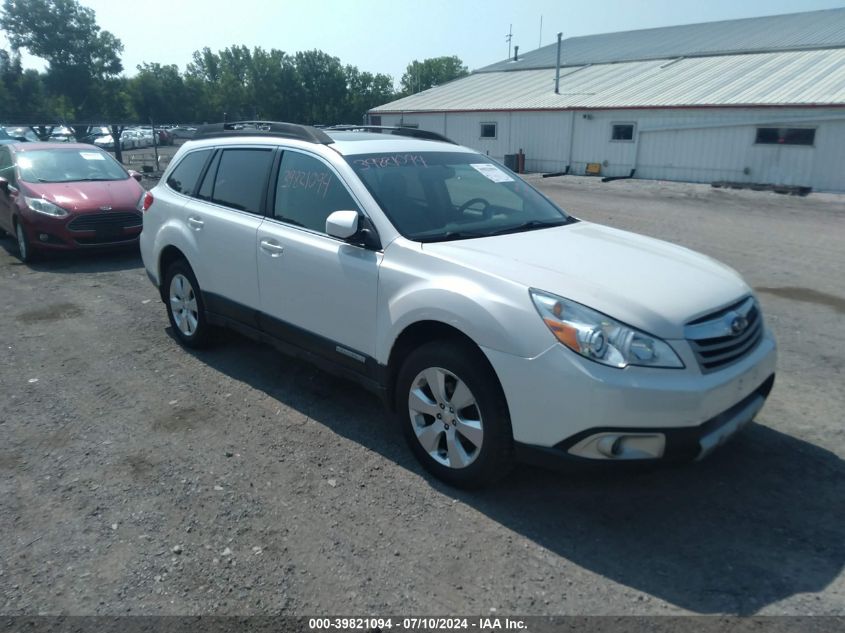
(785,136)
(622,132)
(488,130)
(375,119)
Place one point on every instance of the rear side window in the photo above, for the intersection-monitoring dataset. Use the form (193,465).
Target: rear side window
(240,179)
(184,178)
(308,191)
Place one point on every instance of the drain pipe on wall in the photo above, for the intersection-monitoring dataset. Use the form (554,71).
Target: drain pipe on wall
(557,66)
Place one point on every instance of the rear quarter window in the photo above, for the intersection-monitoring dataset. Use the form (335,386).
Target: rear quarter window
(183,179)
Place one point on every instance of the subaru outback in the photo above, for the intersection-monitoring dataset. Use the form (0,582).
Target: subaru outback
(496,327)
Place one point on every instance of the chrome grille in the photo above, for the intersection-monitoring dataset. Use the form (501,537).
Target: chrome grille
(726,336)
(108,220)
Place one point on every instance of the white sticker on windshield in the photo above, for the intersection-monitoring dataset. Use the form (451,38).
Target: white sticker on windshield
(491,172)
(92,156)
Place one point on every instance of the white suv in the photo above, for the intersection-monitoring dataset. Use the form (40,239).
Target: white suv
(495,326)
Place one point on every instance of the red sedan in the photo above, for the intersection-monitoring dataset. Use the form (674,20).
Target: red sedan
(62,196)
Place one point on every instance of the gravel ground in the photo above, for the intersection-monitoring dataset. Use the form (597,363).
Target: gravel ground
(138,477)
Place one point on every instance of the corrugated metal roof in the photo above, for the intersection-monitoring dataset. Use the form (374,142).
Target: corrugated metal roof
(795,31)
(792,78)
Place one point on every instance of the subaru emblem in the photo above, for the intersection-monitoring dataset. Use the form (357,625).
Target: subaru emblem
(738,325)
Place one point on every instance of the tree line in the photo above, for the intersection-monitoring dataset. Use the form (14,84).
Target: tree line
(84,79)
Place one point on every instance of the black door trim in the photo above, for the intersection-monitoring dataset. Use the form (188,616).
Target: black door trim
(293,340)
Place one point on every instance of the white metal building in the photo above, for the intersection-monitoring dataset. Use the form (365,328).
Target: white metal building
(759,100)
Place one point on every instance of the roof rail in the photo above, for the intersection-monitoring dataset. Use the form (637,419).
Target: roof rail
(263,128)
(397,130)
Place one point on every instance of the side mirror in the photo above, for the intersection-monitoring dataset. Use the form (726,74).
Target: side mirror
(342,224)
(4,185)
(136,175)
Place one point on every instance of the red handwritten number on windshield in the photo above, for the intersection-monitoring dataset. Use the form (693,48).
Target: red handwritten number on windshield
(397,160)
(316,181)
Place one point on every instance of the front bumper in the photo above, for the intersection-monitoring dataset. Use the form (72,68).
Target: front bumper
(682,444)
(557,399)
(46,233)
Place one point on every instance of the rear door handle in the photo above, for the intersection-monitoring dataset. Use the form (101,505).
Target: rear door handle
(274,248)
(196,223)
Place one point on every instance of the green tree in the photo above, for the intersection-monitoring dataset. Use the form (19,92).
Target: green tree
(23,98)
(226,78)
(66,35)
(430,72)
(158,92)
(276,89)
(364,91)
(323,84)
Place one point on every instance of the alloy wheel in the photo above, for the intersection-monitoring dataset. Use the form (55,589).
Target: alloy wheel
(183,305)
(445,417)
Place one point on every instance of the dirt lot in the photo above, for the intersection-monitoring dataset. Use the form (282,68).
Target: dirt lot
(137,477)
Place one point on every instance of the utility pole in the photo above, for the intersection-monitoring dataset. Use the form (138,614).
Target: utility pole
(155,140)
(508,38)
(540,43)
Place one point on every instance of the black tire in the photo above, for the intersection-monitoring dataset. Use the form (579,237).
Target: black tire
(25,253)
(494,458)
(199,335)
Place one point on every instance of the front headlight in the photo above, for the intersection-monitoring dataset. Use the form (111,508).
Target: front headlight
(39,205)
(600,338)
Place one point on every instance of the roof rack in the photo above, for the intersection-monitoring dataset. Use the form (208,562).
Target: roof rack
(263,128)
(397,130)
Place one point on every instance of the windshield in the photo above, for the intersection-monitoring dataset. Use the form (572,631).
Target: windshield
(439,196)
(69,165)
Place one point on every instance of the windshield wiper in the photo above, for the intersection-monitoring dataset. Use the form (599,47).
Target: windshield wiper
(532,225)
(452,235)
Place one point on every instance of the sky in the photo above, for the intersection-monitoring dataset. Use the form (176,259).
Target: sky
(384,36)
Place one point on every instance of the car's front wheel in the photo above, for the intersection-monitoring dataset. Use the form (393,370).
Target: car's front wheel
(185,307)
(454,415)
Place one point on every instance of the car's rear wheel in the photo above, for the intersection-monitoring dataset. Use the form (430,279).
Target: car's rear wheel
(454,415)
(185,307)
(24,247)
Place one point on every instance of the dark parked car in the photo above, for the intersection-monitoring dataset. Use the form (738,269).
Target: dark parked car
(65,196)
(164,137)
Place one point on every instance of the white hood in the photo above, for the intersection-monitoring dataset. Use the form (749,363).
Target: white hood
(647,283)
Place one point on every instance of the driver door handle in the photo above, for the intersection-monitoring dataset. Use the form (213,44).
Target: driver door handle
(274,248)
(195,223)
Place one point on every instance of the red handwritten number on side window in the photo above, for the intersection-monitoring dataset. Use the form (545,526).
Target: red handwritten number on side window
(315,181)
(397,160)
